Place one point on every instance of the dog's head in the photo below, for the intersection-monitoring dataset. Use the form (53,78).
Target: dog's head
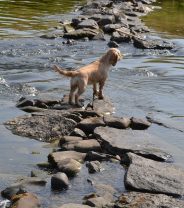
(114,56)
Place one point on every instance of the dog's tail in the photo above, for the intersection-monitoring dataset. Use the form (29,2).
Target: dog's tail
(65,72)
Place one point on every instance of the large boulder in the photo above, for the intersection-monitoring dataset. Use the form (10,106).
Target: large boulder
(46,126)
(121,141)
(155,177)
(147,200)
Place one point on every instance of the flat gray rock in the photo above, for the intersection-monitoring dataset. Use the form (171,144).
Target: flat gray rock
(122,141)
(154,177)
(147,200)
(46,126)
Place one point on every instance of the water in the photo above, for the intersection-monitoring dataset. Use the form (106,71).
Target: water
(143,83)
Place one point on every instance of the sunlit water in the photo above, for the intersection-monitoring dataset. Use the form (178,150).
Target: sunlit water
(143,83)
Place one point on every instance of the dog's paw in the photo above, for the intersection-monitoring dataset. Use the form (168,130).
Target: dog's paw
(55,68)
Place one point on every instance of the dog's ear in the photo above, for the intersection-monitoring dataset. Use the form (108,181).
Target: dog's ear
(114,59)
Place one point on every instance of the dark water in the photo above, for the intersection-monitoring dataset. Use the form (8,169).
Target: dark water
(143,83)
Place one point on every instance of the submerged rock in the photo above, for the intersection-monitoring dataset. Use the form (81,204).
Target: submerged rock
(93,166)
(154,177)
(119,141)
(139,124)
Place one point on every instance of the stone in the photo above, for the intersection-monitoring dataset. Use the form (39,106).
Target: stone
(147,200)
(71,205)
(27,200)
(78,133)
(81,33)
(123,36)
(87,113)
(116,122)
(66,139)
(119,141)
(152,44)
(93,166)
(69,166)
(88,23)
(22,102)
(59,181)
(12,190)
(110,28)
(103,20)
(103,107)
(139,124)
(68,28)
(99,202)
(92,156)
(89,124)
(56,157)
(146,175)
(112,44)
(46,126)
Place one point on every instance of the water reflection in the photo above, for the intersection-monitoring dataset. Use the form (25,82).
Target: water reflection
(169,19)
(27,17)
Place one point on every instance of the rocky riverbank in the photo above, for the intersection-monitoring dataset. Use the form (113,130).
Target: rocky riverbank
(91,136)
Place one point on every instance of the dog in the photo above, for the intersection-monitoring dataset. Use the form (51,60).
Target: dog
(91,74)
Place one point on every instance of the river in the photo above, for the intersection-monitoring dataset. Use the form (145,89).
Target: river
(144,83)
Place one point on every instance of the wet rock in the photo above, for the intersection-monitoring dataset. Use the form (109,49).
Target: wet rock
(46,126)
(93,166)
(81,33)
(88,23)
(27,200)
(12,190)
(119,141)
(147,200)
(55,157)
(91,156)
(31,181)
(22,102)
(87,113)
(113,44)
(89,124)
(139,124)
(110,28)
(68,28)
(66,139)
(116,122)
(104,190)
(38,173)
(152,44)
(99,202)
(154,177)
(69,166)
(59,181)
(99,36)
(119,38)
(49,36)
(103,107)
(70,205)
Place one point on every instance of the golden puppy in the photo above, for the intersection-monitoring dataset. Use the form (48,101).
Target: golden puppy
(94,73)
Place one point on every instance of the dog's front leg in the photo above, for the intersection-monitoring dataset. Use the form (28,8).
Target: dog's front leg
(101,85)
(95,91)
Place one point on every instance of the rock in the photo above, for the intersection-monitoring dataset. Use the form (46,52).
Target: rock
(74,117)
(81,33)
(152,44)
(147,200)
(88,23)
(56,157)
(116,122)
(30,181)
(70,205)
(10,191)
(66,139)
(99,202)
(121,37)
(110,28)
(91,156)
(139,124)
(59,181)
(93,166)
(89,124)
(87,113)
(154,177)
(46,126)
(27,200)
(113,44)
(22,102)
(103,20)
(105,190)
(68,28)
(49,36)
(69,166)
(119,141)
(103,107)
(78,133)
(38,174)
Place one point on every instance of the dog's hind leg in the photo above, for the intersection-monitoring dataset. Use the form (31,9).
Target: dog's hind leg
(81,89)
(72,91)
(95,91)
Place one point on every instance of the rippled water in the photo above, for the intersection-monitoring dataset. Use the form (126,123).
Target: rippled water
(143,83)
